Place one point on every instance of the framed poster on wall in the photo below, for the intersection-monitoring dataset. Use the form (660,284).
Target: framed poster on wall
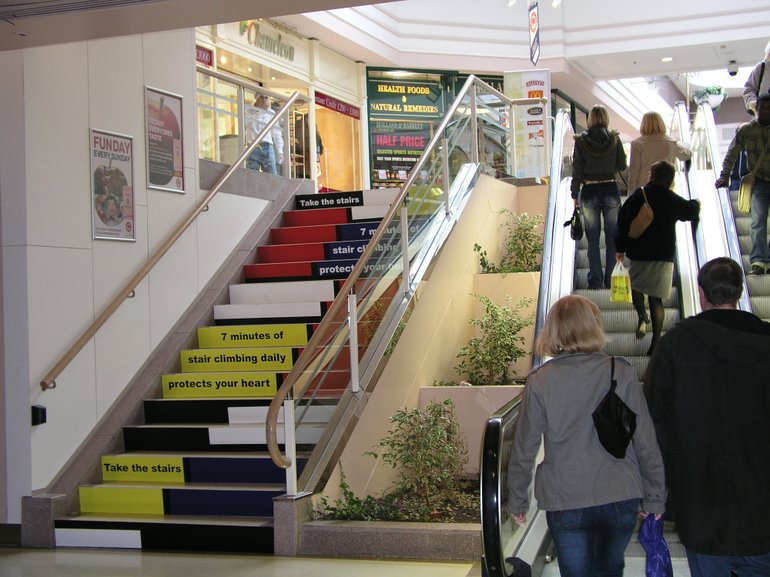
(112,186)
(163,131)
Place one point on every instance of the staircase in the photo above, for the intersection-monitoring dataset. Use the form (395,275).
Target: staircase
(196,475)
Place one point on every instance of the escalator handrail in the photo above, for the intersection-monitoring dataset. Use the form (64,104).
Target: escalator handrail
(728,218)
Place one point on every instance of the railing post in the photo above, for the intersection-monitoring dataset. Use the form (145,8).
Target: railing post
(405,246)
(355,381)
(474,127)
(447,176)
(290,444)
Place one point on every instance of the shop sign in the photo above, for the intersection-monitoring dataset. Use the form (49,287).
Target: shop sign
(337,105)
(392,98)
(204,55)
(271,43)
(395,148)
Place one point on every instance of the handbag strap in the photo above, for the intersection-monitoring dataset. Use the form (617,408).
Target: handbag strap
(644,194)
(759,161)
(613,382)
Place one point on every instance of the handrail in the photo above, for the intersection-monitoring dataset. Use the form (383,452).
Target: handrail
(49,381)
(283,393)
(728,218)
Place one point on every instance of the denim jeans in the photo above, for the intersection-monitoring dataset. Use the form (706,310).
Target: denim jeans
(760,201)
(722,566)
(600,202)
(262,158)
(591,542)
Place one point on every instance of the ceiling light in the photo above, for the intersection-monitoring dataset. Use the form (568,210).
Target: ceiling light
(555,3)
(223,59)
(511,3)
(667,59)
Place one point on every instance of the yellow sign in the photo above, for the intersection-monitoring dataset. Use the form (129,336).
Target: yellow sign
(122,500)
(129,468)
(289,335)
(213,385)
(242,359)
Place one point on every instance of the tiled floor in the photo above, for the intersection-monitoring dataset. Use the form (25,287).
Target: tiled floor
(103,563)
(108,563)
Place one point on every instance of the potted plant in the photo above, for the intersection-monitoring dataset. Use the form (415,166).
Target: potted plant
(428,451)
(522,245)
(714,95)
(487,357)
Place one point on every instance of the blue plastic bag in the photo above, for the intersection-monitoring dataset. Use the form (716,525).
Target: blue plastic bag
(658,556)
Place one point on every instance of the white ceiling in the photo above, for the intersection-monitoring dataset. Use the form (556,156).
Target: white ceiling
(583,42)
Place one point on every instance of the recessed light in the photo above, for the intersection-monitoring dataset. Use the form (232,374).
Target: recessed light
(667,59)
(223,59)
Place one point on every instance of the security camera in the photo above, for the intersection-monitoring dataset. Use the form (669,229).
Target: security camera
(732,68)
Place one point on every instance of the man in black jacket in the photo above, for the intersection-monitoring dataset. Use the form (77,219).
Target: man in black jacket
(708,390)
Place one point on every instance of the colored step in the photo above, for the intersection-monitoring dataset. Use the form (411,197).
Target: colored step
(333,215)
(119,499)
(324,233)
(226,411)
(155,533)
(314,291)
(327,269)
(236,360)
(174,469)
(206,439)
(244,314)
(379,196)
(285,334)
(220,384)
(275,253)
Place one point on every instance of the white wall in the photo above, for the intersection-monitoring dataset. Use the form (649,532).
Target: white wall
(56,278)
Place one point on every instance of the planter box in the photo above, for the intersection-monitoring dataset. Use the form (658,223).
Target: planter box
(392,540)
(473,406)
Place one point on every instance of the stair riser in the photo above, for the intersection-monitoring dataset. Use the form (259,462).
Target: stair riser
(164,536)
(167,469)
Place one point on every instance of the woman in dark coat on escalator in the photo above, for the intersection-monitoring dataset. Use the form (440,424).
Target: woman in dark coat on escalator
(651,255)
(597,157)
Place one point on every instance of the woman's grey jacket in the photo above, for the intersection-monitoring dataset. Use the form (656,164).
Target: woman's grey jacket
(577,471)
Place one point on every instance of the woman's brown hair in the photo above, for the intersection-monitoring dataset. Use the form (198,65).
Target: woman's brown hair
(573,325)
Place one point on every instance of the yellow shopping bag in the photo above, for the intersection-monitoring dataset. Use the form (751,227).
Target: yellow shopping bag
(620,284)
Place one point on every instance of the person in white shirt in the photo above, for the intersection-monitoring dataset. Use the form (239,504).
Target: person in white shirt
(268,153)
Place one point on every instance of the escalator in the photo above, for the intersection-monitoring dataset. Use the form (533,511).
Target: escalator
(509,548)
(719,212)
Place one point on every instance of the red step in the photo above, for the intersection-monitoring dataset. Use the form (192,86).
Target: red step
(316,216)
(308,270)
(303,234)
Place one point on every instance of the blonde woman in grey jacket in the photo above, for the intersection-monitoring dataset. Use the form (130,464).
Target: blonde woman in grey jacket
(591,498)
(653,145)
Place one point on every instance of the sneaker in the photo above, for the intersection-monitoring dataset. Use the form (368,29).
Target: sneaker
(757,269)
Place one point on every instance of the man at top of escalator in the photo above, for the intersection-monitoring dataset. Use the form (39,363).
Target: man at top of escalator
(754,138)
(708,392)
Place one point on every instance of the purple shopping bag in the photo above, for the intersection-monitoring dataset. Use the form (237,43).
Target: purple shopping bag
(658,556)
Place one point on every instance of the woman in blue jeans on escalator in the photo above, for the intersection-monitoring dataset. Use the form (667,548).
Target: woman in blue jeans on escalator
(597,157)
(591,498)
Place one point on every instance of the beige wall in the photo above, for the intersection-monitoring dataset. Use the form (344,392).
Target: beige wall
(438,325)
(56,278)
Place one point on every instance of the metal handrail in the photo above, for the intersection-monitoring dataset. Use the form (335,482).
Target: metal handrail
(49,381)
(728,218)
(284,392)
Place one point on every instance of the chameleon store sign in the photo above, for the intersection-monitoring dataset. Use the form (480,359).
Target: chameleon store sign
(271,43)
(403,100)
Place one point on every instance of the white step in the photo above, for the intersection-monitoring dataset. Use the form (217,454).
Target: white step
(282,292)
